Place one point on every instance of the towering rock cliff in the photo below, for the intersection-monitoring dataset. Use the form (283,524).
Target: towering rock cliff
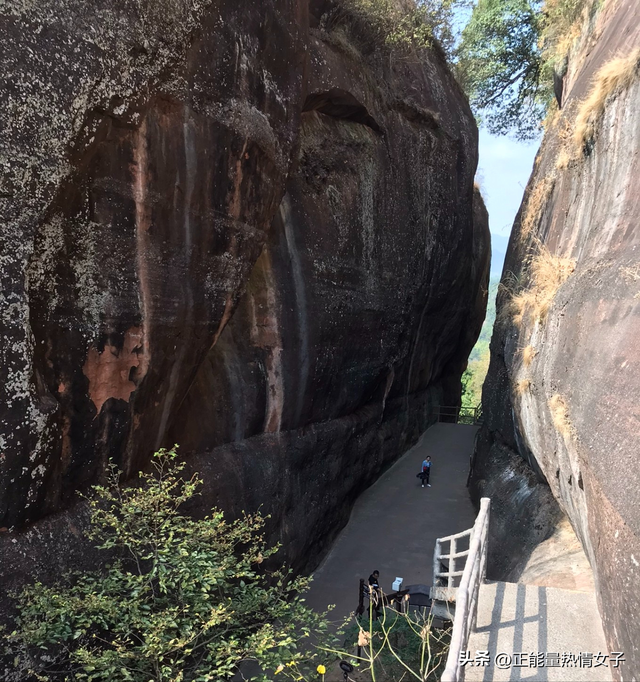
(562,415)
(248,230)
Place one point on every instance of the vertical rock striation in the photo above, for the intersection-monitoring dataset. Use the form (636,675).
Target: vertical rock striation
(258,238)
(562,416)
(145,151)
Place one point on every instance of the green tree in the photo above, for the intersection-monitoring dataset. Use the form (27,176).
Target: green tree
(180,599)
(476,372)
(473,379)
(417,24)
(500,65)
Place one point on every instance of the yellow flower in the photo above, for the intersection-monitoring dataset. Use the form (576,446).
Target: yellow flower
(279,669)
(321,669)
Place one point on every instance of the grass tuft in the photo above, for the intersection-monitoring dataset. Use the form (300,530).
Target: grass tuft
(560,415)
(523,386)
(528,353)
(616,75)
(536,201)
(563,160)
(631,274)
(548,274)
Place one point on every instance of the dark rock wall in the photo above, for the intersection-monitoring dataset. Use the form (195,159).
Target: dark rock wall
(586,350)
(266,248)
(146,148)
(362,309)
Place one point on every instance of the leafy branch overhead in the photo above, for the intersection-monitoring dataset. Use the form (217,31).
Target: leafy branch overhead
(181,599)
(507,58)
(500,65)
(418,24)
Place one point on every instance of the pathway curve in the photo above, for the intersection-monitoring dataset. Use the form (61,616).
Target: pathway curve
(394,524)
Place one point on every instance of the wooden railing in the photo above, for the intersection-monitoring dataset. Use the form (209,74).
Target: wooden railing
(445,576)
(473,576)
(459,415)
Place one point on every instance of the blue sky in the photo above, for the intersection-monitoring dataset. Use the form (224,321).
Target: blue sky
(505,164)
(503,171)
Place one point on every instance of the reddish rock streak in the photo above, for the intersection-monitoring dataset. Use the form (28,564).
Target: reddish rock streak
(109,371)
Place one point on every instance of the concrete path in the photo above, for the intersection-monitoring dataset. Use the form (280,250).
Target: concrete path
(394,524)
(558,634)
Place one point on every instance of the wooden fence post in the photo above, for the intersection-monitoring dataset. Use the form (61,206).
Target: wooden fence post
(360,609)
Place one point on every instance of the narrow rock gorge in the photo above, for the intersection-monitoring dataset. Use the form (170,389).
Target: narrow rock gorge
(249,229)
(559,445)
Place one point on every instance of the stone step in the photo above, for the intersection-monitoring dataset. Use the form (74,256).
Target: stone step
(552,631)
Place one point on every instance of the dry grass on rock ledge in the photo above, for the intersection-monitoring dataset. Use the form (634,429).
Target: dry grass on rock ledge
(560,415)
(528,353)
(548,274)
(616,75)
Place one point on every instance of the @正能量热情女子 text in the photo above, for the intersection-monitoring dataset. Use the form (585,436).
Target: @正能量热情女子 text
(542,659)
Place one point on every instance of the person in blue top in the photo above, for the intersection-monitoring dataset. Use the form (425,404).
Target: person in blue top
(426,471)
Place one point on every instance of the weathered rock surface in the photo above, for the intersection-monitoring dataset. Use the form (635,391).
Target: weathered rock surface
(267,248)
(559,562)
(145,151)
(562,415)
(361,310)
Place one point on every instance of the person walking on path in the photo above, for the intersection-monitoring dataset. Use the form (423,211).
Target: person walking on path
(426,471)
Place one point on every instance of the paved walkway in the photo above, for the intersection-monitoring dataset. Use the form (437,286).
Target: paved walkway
(394,524)
(557,634)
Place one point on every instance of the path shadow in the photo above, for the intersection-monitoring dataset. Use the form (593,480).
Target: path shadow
(518,624)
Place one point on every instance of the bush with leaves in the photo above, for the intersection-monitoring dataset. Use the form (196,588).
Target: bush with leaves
(407,23)
(181,599)
(510,53)
(500,66)
(397,645)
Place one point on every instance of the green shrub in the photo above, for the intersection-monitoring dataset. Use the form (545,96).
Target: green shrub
(397,646)
(508,54)
(406,23)
(180,599)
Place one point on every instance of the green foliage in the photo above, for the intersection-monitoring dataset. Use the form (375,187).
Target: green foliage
(507,57)
(474,376)
(500,66)
(181,599)
(397,646)
(406,23)
(473,379)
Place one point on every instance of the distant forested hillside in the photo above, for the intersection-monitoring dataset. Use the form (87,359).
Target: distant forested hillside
(474,375)
(499,244)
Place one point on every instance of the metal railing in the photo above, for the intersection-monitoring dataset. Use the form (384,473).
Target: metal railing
(473,576)
(459,415)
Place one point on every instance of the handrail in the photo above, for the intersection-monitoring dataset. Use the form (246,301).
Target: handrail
(459,414)
(450,573)
(467,597)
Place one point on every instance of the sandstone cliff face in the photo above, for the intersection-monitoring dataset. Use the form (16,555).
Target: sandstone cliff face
(363,307)
(266,248)
(146,150)
(562,416)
